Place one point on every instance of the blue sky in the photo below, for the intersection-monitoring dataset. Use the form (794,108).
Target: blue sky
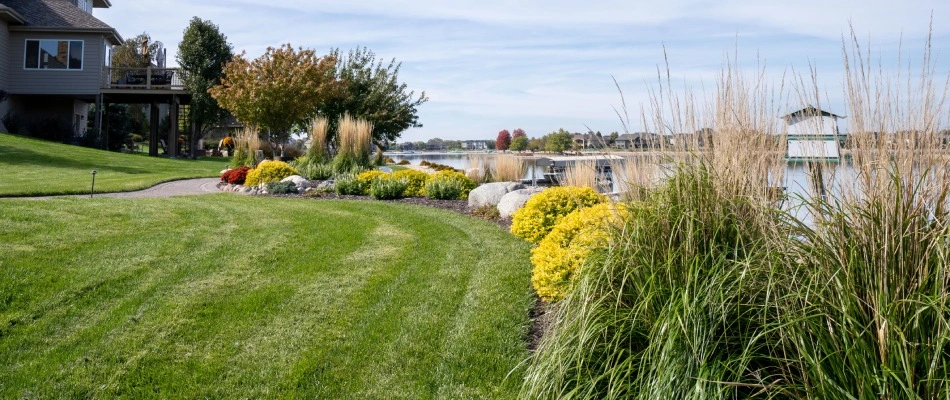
(488,65)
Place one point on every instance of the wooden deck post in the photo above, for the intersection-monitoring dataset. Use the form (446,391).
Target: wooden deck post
(173,127)
(153,130)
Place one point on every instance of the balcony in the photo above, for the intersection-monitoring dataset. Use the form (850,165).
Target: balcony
(150,78)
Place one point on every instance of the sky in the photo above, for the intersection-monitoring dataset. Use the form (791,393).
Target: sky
(488,65)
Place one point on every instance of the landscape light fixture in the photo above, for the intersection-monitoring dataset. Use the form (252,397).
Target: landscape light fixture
(93,188)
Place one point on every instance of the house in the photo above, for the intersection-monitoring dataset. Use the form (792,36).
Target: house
(474,145)
(640,140)
(588,141)
(54,63)
(52,58)
(813,134)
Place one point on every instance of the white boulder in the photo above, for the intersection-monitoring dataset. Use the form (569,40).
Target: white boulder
(514,200)
(490,194)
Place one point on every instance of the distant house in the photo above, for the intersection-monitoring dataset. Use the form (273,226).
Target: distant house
(813,134)
(640,140)
(474,145)
(52,58)
(588,141)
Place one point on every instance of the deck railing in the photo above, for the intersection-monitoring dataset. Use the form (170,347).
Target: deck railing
(142,78)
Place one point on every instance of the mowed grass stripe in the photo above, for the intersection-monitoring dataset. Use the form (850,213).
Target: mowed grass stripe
(32,167)
(226,295)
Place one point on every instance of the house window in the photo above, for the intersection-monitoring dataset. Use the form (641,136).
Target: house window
(53,54)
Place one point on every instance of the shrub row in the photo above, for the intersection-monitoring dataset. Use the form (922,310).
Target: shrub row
(405,183)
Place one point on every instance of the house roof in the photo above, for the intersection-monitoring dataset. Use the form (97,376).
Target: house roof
(57,16)
(811,111)
(10,15)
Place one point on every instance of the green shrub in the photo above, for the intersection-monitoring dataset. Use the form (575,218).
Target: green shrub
(281,187)
(137,138)
(563,251)
(387,188)
(449,185)
(416,181)
(539,215)
(312,170)
(347,184)
(269,171)
(403,162)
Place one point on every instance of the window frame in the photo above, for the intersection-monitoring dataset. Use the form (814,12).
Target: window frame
(69,46)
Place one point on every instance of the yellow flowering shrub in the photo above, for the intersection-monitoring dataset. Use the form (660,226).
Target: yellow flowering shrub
(544,210)
(563,251)
(416,181)
(269,171)
(366,178)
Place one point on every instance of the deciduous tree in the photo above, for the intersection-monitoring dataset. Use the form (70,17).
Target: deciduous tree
(503,140)
(372,91)
(129,54)
(516,133)
(519,143)
(558,141)
(279,89)
(202,54)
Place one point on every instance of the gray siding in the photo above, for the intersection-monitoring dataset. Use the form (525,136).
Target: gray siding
(24,81)
(4,55)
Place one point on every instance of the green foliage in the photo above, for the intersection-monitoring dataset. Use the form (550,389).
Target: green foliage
(312,170)
(348,184)
(202,54)
(387,187)
(558,141)
(449,185)
(281,188)
(372,92)
(519,143)
(242,158)
(403,162)
(562,252)
(415,181)
(269,171)
(544,210)
(129,53)
(137,138)
(278,90)
(675,308)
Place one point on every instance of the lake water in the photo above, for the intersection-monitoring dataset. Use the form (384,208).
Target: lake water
(795,180)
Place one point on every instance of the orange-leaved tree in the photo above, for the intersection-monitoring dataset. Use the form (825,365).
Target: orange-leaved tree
(277,90)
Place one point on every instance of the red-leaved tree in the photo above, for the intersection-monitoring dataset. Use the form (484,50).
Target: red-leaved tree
(503,140)
(516,133)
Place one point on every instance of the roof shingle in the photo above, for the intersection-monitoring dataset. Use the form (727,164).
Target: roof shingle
(55,14)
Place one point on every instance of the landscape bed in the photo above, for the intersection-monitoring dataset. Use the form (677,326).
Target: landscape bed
(223,296)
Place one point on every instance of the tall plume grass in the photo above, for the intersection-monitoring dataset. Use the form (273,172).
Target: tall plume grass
(508,168)
(317,130)
(354,138)
(478,168)
(581,174)
(715,290)
(246,144)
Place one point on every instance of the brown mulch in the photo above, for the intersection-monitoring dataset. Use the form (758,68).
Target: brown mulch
(541,314)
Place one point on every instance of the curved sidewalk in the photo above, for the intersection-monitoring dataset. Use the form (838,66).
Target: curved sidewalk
(168,189)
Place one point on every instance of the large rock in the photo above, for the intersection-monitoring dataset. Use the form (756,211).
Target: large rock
(297,180)
(490,194)
(513,201)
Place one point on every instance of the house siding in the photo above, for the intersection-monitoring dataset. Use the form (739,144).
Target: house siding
(4,55)
(84,82)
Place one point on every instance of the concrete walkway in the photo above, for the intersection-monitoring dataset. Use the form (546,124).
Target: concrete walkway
(168,189)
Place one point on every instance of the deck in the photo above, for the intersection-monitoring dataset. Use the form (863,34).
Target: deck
(143,80)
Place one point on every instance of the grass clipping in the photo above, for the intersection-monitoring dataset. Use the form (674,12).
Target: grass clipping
(717,290)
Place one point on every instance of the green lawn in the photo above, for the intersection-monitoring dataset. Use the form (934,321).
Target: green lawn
(228,296)
(35,167)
